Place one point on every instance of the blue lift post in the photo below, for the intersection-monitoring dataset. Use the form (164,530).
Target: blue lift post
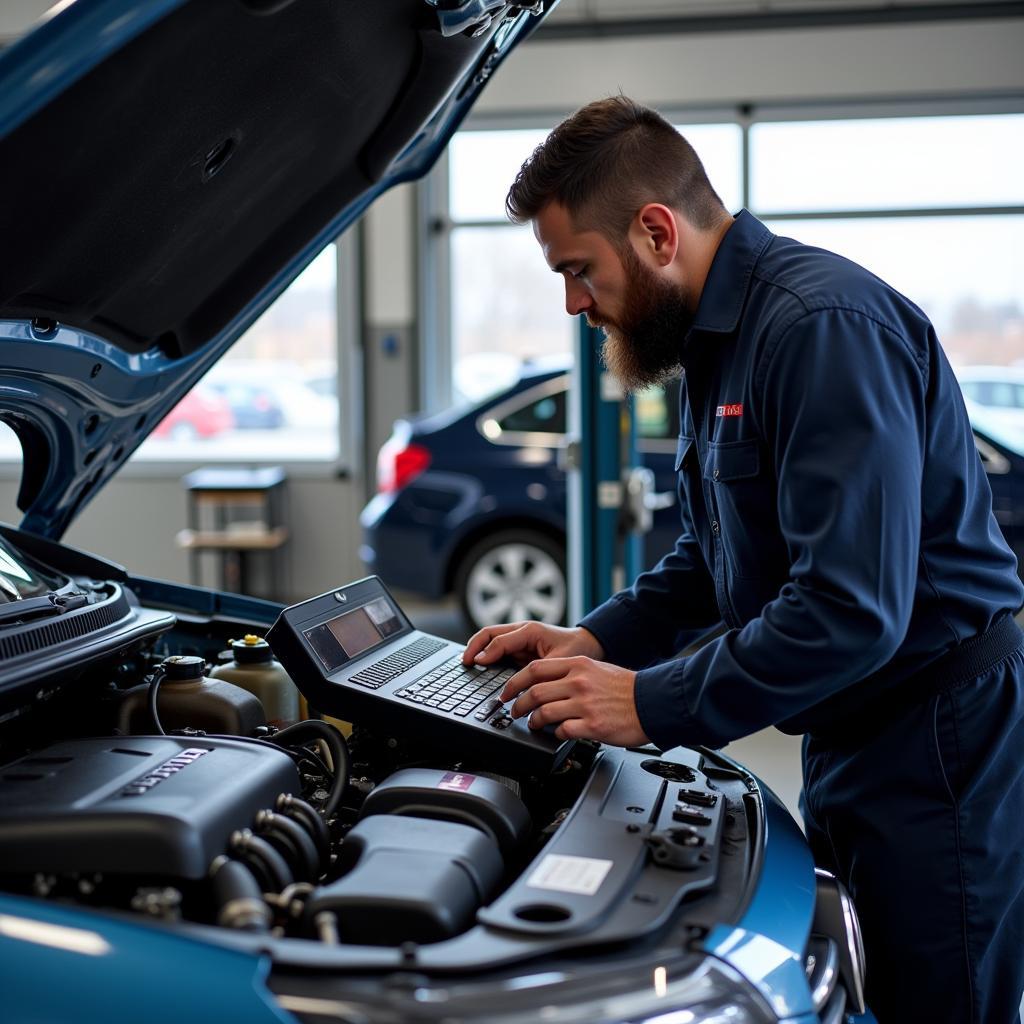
(633,555)
(601,435)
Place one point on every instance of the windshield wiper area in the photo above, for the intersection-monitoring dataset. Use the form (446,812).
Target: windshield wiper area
(40,607)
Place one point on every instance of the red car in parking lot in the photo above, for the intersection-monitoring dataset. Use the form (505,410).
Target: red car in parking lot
(201,414)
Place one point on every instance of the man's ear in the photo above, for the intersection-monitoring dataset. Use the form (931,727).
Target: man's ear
(656,233)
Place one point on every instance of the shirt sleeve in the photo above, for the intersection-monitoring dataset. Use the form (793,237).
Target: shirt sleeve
(657,616)
(842,404)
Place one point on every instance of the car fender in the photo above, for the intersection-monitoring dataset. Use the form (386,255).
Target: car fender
(61,963)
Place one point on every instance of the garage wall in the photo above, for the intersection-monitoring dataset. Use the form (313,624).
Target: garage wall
(390,315)
(135,519)
(922,60)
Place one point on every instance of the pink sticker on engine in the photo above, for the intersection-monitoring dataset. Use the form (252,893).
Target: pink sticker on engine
(456,780)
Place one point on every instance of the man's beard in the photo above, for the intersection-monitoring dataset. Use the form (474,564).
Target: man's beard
(643,348)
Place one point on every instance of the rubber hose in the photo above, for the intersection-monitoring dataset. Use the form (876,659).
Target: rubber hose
(270,868)
(313,729)
(307,816)
(298,844)
(238,896)
(154,689)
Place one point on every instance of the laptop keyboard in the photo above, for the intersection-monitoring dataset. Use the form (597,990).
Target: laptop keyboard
(460,689)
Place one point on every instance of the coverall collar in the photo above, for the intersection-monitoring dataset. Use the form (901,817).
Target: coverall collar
(728,280)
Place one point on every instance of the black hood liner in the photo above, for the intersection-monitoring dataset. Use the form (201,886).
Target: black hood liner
(153,199)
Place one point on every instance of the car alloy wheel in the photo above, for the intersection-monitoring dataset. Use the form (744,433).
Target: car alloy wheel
(513,575)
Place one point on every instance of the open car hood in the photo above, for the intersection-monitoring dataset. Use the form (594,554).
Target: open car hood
(169,166)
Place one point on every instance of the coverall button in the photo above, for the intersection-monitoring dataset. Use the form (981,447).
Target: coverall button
(717,473)
(714,527)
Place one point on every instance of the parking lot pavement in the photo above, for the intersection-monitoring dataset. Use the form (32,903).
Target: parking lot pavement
(441,618)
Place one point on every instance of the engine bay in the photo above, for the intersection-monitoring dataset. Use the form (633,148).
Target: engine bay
(374,848)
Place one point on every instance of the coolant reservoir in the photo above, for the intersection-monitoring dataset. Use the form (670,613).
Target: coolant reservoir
(189,699)
(255,669)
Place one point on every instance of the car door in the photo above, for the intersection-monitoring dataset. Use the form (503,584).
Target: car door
(1004,469)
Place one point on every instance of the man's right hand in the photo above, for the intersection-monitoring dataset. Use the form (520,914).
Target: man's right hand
(522,642)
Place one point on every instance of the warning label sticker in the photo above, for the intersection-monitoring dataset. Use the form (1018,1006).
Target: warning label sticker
(456,780)
(582,875)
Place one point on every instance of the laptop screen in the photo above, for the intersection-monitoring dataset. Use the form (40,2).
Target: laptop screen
(352,633)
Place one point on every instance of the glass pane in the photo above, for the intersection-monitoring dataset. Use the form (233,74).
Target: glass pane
(10,446)
(656,412)
(482,167)
(891,163)
(651,412)
(545,416)
(720,148)
(272,396)
(1003,395)
(506,305)
(483,164)
(966,273)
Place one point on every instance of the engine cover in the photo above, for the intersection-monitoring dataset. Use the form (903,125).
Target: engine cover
(138,805)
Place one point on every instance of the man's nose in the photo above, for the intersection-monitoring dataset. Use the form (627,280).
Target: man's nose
(577,298)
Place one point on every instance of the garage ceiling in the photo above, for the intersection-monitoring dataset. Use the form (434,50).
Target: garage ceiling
(580,18)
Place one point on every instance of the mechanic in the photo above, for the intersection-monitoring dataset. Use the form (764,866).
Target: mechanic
(837,519)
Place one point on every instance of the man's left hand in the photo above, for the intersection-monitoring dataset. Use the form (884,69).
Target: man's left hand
(591,699)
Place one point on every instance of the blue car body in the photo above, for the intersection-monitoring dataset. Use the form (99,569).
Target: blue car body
(414,536)
(495,470)
(176,164)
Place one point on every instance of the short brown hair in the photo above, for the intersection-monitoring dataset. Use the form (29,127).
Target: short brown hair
(608,160)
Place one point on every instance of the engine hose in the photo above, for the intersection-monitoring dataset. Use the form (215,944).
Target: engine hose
(307,816)
(327,928)
(238,897)
(314,729)
(269,867)
(154,689)
(298,846)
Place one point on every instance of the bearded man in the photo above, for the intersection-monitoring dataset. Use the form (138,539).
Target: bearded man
(837,519)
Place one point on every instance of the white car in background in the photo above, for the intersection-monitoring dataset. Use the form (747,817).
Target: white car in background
(999,389)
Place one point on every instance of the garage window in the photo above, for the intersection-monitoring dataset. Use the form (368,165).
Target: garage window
(272,396)
(932,204)
(504,306)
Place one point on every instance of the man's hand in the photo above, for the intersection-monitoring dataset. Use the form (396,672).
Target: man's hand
(521,642)
(591,699)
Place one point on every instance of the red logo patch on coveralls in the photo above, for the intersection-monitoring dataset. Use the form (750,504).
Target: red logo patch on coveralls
(730,410)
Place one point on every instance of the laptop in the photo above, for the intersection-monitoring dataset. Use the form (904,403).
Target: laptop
(354,655)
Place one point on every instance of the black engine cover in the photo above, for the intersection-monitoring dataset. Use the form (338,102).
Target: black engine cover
(138,805)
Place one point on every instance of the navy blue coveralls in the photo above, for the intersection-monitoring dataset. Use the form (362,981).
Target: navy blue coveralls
(837,518)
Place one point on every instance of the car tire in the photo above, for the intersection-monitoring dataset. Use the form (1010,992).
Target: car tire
(512,575)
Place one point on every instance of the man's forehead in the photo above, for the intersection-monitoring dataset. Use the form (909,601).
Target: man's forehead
(559,239)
